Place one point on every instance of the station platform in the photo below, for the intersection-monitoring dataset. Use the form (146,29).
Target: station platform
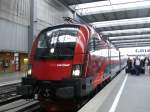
(11,77)
(125,93)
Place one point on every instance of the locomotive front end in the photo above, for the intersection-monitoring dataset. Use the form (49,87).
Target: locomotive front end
(56,68)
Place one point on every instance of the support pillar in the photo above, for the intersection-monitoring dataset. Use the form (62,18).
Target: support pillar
(33,22)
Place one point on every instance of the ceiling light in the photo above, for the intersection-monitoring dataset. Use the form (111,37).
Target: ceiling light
(123,1)
(131,46)
(130,37)
(121,22)
(128,31)
(90,5)
(125,44)
(137,40)
(106,6)
(133,43)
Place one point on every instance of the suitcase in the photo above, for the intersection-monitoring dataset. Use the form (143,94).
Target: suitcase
(127,70)
(133,72)
(142,71)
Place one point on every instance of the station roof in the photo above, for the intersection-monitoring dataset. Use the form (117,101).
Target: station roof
(126,23)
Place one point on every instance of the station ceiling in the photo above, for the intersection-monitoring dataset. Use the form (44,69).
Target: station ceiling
(126,23)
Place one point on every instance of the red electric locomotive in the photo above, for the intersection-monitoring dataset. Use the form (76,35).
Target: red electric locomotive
(68,61)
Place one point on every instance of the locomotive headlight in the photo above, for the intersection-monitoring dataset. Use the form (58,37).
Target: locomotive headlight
(52,50)
(76,71)
(29,72)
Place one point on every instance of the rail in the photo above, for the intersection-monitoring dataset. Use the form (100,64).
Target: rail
(8,92)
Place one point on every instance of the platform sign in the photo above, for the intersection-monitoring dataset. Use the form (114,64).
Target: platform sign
(142,50)
(136,51)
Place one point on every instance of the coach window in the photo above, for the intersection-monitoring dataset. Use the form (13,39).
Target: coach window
(91,45)
(97,43)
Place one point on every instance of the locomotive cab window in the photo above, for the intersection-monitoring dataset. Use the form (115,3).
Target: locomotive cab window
(57,43)
(42,42)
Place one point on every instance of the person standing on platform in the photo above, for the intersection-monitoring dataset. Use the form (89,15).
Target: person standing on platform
(137,66)
(129,65)
(146,66)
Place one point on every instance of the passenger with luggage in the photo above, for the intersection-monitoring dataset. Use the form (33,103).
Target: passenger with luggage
(142,66)
(137,66)
(146,61)
(129,65)
(148,67)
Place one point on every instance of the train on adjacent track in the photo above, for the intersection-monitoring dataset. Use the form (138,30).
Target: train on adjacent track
(69,61)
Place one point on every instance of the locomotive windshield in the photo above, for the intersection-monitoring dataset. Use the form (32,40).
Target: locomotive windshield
(57,43)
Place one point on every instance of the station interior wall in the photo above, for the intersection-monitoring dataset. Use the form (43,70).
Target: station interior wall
(50,13)
(15,23)
(10,63)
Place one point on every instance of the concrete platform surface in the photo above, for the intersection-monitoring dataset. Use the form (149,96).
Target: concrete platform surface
(136,95)
(126,93)
(7,77)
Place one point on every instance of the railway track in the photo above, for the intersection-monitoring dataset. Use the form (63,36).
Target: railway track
(34,107)
(10,101)
(8,92)
(21,106)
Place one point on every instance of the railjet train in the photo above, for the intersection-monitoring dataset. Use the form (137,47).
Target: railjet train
(68,61)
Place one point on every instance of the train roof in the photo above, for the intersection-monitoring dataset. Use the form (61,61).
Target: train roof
(67,25)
